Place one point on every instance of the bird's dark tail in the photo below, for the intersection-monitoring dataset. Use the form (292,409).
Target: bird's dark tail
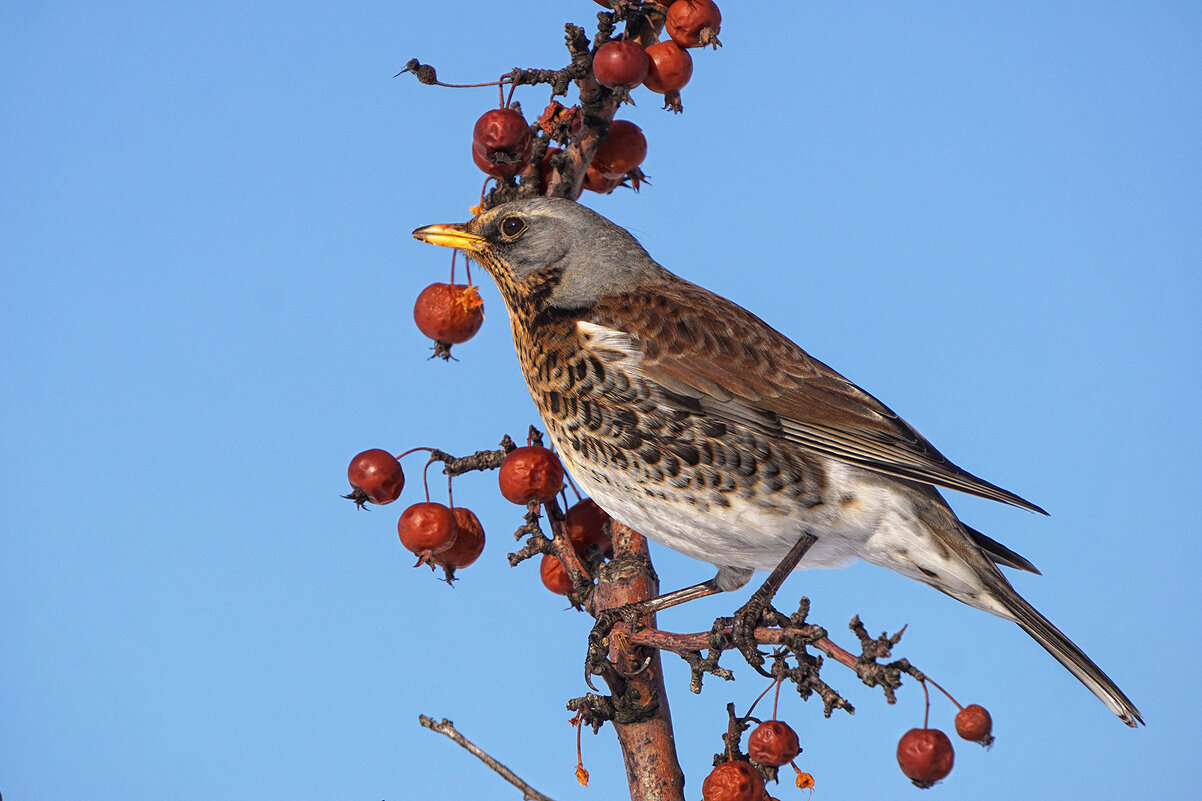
(1069,655)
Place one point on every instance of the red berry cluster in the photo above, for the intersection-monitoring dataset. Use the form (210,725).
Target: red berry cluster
(926,755)
(585,526)
(533,474)
(503,142)
(689,24)
(452,536)
(771,745)
(506,149)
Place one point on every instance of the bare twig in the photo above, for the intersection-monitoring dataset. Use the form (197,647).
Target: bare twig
(480,460)
(797,637)
(447,728)
(682,643)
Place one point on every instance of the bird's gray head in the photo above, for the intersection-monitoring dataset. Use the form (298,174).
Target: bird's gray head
(566,255)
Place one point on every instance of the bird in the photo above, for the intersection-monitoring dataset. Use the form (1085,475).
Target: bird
(697,424)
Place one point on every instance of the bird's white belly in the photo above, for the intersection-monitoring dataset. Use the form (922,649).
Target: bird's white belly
(870,518)
(749,533)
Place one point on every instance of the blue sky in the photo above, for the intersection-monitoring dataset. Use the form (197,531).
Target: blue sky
(988,216)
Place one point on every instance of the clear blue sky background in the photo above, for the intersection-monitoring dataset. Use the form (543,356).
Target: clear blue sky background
(990,217)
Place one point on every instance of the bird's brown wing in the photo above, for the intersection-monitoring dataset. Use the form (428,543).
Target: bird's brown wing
(734,367)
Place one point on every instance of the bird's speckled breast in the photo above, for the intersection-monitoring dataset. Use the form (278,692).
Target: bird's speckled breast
(655,464)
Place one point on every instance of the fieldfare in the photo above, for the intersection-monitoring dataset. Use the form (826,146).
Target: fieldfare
(700,426)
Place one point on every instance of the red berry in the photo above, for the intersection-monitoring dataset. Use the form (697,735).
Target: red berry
(376,474)
(620,64)
(469,540)
(585,525)
(531,473)
(427,528)
(694,23)
(670,67)
(449,313)
(554,575)
(623,149)
(501,143)
(594,181)
(974,723)
(497,170)
(733,781)
(925,756)
(774,743)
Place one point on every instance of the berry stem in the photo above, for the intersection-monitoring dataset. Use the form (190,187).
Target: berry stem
(426,75)
(425,480)
(945,692)
(579,754)
(466,85)
(760,697)
(400,456)
(575,489)
(926,715)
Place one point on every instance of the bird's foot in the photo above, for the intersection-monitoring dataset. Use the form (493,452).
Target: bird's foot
(596,661)
(757,612)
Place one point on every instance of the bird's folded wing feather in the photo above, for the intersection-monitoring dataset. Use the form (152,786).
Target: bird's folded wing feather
(736,368)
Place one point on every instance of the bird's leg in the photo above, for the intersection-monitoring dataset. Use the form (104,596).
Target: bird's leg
(634,612)
(677,597)
(743,623)
(751,614)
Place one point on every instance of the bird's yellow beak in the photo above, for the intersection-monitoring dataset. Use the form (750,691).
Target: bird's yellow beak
(451,235)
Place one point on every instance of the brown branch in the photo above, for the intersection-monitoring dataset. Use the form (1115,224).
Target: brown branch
(688,643)
(641,717)
(480,460)
(598,104)
(447,729)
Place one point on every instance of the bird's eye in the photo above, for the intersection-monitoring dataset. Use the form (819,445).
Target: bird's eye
(512,226)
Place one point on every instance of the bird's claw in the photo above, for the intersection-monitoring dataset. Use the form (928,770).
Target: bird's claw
(743,625)
(757,612)
(596,661)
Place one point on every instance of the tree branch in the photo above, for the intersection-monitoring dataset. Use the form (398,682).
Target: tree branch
(687,643)
(447,729)
(641,717)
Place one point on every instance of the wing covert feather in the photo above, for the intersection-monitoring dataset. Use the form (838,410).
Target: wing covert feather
(739,369)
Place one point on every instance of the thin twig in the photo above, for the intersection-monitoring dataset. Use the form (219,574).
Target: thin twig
(447,728)
(679,643)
